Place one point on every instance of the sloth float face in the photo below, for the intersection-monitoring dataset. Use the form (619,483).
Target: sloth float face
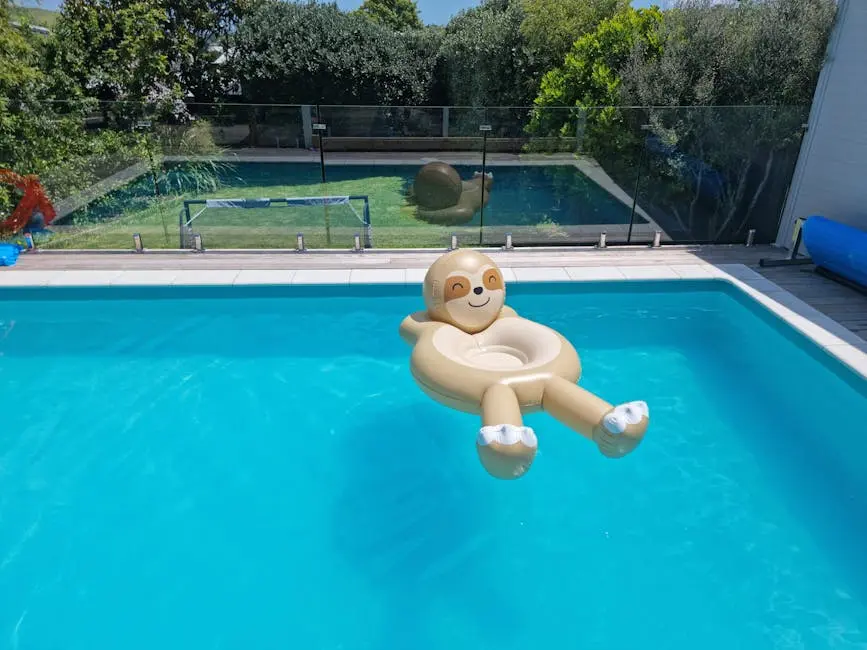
(465,289)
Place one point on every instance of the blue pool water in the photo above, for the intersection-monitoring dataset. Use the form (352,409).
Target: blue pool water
(521,195)
(254,468)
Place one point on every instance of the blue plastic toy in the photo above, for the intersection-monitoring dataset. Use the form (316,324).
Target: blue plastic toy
(9,254)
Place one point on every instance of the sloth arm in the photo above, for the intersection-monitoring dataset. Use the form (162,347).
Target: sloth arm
(414,325)
(507,312)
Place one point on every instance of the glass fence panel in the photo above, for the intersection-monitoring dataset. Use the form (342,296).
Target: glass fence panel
(414,187)
(91,160)
(239,173)
(304,211)
(464,121)
(254,176)
(611,145)
(711,174)
(248,126)
(195,178)
(560,175)
(386,122)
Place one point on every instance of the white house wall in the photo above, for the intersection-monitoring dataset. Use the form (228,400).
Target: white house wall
(831,175)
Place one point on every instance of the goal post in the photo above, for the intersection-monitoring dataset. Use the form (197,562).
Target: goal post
(266,220)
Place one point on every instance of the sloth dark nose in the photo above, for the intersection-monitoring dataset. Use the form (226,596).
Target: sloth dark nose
(478,290)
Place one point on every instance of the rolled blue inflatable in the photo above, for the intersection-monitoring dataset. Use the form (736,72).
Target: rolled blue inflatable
(8,254)
(837,247)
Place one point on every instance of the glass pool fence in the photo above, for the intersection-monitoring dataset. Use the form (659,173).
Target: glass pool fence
(241,176)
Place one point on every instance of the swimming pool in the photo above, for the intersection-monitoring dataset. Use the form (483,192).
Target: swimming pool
(254,467)
(522,194)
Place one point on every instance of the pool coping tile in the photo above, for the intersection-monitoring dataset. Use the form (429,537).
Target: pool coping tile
(264,276)
(508,274)
(75,278)
(693,271)
(540,274)
(594,273)
(322,276)
(16,278)
(740,271)
(645,272)
(850,355)
(377,276)
(205,277)
(764,285)
(144,277)
(416,276)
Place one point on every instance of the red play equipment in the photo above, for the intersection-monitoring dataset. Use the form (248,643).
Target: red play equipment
(34,200)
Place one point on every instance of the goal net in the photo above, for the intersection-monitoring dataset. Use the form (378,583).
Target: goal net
(325,222)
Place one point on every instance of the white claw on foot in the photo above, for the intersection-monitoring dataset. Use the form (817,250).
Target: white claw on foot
(507,434)
(624,415)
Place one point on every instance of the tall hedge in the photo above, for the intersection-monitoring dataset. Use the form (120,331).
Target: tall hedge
(486,60)
(314,53)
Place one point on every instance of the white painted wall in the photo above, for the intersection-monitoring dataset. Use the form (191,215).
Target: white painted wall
(831,174)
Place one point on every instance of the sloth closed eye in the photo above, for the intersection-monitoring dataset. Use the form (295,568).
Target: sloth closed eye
(493,281)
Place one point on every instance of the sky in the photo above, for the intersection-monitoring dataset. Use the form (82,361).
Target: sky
(438,12)
(435,12)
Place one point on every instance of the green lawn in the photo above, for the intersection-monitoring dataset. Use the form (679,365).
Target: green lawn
(395,224)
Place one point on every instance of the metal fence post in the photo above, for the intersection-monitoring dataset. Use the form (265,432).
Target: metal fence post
(307,125)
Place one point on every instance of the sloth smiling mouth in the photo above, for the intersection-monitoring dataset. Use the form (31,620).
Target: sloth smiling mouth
(482,305)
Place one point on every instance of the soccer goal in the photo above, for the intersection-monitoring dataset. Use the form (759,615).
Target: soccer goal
(325,222)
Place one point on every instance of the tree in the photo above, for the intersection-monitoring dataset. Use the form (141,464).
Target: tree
(116,50)
(552,26)
(20,80)
(315,53)
(748,72)
(590,75)
(199,31)
(36,133)
(42,121)
(485,58)
(745,53)
(395,14)
(156,51)
(18,59)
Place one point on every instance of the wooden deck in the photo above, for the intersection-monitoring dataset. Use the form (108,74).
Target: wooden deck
(840,303)
(844,305)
